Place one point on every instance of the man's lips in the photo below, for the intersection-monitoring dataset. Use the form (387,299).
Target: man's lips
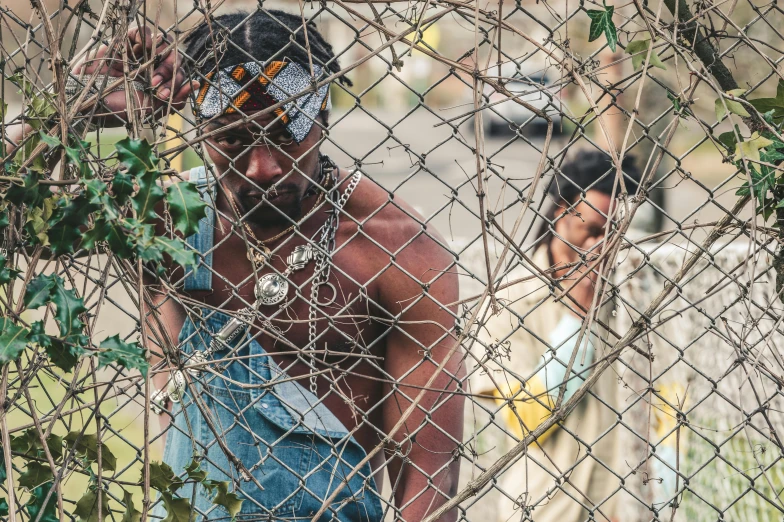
(271,196)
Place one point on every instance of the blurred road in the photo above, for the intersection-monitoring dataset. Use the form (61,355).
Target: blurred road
(388,150)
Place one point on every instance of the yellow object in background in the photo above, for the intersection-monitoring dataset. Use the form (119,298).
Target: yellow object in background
(528,407)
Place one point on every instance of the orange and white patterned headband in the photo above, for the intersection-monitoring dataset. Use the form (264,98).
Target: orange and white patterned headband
(245,87)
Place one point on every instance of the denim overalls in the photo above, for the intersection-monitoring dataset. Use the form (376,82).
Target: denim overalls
(294,447)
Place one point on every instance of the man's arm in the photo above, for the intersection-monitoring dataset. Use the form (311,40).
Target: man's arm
(424,469)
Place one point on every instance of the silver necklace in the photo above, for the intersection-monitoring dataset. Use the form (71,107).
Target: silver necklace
(272,289)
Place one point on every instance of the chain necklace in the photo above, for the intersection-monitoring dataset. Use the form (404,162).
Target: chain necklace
(272,289)
(259,255)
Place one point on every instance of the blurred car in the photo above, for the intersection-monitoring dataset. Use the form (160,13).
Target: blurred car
(536,89)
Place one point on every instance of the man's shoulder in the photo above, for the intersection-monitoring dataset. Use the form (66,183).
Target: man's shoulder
(387,219)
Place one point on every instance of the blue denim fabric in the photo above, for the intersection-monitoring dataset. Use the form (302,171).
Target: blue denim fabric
(200,278)
(295,448)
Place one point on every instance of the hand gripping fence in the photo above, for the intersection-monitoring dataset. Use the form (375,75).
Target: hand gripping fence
(362,260)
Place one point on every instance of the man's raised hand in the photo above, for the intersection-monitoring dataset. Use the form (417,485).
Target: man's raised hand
(168,78)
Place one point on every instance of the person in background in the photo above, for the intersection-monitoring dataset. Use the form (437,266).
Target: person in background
(568,473)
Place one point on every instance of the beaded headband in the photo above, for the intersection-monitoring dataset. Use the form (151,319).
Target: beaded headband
(245,87)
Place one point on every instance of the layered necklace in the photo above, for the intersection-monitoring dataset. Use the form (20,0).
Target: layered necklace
(272,289)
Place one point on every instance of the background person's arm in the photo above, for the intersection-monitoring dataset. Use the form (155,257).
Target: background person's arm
(426,474)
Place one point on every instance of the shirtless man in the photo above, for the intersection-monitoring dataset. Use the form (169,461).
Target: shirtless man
(285,411)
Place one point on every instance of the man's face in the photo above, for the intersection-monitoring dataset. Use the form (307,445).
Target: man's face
(258,158)
(581,229)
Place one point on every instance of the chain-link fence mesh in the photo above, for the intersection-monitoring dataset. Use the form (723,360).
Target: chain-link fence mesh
(523,265)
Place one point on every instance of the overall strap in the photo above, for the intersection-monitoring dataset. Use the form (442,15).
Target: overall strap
(200,278)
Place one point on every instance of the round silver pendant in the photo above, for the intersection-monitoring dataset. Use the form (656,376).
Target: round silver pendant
(271,289)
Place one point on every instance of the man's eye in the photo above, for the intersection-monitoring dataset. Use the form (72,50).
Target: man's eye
(230,141)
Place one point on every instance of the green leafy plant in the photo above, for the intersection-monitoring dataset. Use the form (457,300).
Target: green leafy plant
(602,24)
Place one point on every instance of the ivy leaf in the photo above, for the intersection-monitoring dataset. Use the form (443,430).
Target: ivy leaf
(729,139)
(7,274)
(128,355)
(87,447)
(149,195)
(751,147)
(178,250)
(4,508)
(36,508)
(601,23)
(35,475)
(195,472)
(136,155)
(162,478)
(732,106)
(122,187)
(776,104)
(230,501)
(87,507)
(131,513)
(639,50)
(13,340)
(69,307)
(177,509)
(39,290)
(186,207)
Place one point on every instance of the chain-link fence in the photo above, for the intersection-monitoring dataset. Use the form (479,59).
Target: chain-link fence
(360,260)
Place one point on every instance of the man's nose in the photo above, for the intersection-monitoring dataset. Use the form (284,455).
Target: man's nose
(264,166)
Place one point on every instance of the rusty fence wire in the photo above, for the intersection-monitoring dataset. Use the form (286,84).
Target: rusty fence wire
(661,399)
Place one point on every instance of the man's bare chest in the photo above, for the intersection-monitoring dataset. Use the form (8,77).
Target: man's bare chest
(336,317)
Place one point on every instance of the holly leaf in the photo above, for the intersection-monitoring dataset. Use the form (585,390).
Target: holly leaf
(65,355)
(230,501)
(128,355)
(13,340)
(35,475)
(195,472)
(29,445)
(122,187)
(40,511)
(62,237)
(177,509)
(601,23)
(69,307)
(149,195)
(113,233)
(87,507)
(162,478)
(639,50)
(186,207)
(86,446)
(97,193)
(30,193)
(136,155)
(731,105)
(39,290)
(131,513)
(7,274)
(776,104)
(178,250)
